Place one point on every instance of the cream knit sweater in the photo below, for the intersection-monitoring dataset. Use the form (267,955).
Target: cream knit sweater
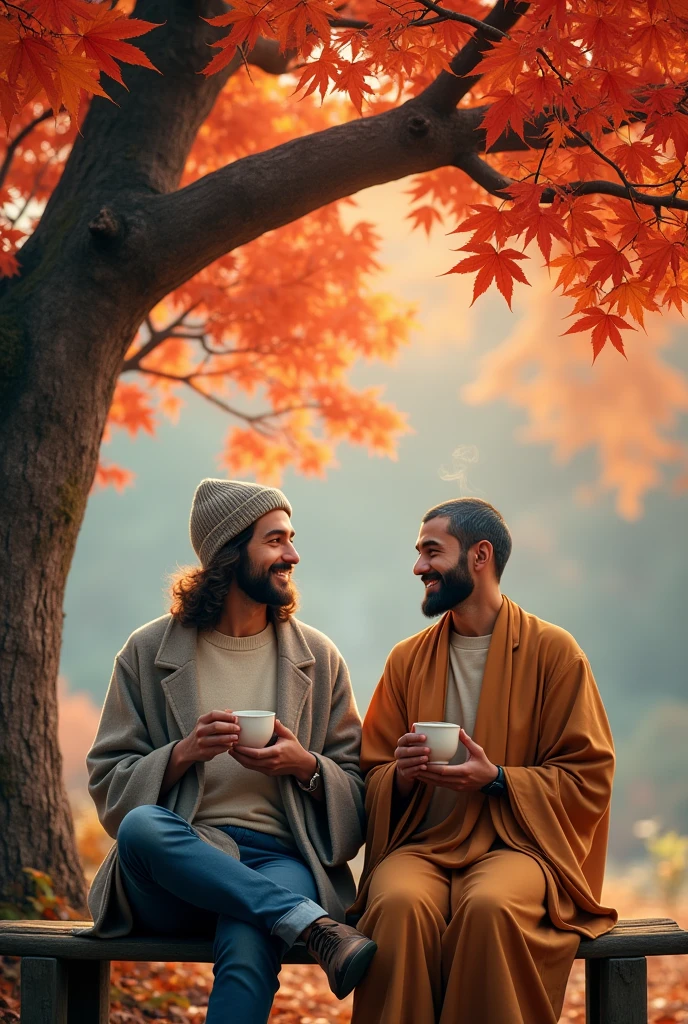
(239,674)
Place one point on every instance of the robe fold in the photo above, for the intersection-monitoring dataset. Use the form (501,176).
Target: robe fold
(541,717)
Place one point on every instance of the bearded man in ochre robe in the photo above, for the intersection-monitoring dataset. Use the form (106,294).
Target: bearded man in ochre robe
(481,875)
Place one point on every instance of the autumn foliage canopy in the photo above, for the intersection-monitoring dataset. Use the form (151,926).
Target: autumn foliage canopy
(583,107)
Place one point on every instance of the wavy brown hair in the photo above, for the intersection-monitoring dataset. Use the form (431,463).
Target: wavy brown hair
(198,593)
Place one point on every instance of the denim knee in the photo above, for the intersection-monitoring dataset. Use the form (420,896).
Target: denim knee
(139,828)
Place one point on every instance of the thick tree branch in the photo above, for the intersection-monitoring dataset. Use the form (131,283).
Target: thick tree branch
(446,91)
(492,180)
(140,143)
(208,218)
(267,56)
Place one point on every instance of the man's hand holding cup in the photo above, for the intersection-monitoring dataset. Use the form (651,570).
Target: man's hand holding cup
(214,733)
(411,755)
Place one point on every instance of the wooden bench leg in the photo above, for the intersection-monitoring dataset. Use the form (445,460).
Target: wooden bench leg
(616,991)
(88,991)
(43,991)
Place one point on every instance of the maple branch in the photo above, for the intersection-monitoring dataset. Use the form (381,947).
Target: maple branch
(157,335)
(485,27)
(497,184)
(17,141)
(533,131)
(253,419)
(362,26)
(487,176)
(610,188)
(34,189)
(448,88)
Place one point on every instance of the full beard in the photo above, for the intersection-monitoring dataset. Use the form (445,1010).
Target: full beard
(263,586)
(454,587)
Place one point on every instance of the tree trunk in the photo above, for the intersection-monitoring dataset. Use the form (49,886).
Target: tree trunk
(49,451)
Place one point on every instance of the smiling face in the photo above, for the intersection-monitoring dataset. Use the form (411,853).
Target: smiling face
(442,567)
(266,563)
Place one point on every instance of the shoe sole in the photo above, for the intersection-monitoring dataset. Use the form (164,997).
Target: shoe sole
(354,973)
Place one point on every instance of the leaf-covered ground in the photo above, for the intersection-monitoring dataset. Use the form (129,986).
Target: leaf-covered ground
(178,993)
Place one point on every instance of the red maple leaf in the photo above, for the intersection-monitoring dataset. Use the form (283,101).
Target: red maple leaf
(508,111)
(604,326)
(492,265)
(608,262)
(101,39)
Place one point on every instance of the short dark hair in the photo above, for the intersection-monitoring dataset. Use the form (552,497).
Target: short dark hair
(472,520)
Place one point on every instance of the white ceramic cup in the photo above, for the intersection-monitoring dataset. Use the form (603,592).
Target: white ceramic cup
(442,738)
(256,727)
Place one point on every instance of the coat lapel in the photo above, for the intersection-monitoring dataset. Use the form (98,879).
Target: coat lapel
(293,683)
(178,653)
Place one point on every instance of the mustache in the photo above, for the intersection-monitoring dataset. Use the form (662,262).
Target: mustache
(282,567)
(428,577)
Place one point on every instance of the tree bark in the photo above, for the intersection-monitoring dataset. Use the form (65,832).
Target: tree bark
(115,237)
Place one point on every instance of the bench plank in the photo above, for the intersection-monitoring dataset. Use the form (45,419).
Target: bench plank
(652,937)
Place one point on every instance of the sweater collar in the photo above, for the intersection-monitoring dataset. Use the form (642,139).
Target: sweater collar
(178,646)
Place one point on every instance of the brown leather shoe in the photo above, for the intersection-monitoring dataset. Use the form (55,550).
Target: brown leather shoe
(343,952)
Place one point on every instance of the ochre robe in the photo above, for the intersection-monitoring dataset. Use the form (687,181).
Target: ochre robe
(540,716)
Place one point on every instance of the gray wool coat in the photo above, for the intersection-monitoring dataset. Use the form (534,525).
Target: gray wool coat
(151,703)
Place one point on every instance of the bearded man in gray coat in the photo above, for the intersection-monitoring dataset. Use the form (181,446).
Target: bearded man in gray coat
(213,836)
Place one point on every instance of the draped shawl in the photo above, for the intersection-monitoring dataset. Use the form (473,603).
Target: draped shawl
(541,717)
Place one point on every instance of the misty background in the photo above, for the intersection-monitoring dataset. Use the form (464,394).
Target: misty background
(619,587)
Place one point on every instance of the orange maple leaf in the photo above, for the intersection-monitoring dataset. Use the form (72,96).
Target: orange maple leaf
(487,222)
(604,326)
(492,265)
(424,217)
(633,297)
(352,79)
(573,267)
(320,73)
(74,74)
(131,409)
(111,475)
(675,296)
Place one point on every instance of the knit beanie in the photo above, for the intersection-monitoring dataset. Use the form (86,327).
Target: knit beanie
(221,509)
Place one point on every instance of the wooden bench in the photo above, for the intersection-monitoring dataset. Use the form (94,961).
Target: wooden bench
(65,979)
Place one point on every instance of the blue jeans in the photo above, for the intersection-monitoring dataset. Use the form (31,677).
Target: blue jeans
(256,908)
